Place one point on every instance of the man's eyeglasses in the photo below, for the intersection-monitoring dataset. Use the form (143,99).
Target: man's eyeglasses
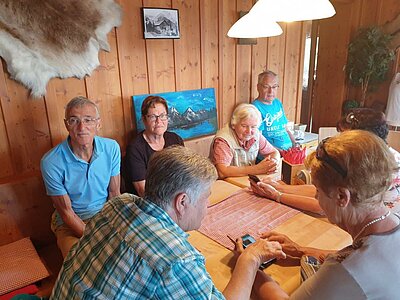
(267,86)
(323,156)
(87,121)
(153,118)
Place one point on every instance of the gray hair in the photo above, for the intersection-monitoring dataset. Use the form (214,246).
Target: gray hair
(80,101)
(267,73)
(175,170)
(244,111)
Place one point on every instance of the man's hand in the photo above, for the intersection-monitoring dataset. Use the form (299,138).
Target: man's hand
(260,251)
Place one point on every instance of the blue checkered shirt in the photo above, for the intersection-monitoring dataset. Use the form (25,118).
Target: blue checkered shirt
(133,250)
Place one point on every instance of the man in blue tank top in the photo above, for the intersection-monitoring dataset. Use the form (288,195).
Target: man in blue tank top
(274,122)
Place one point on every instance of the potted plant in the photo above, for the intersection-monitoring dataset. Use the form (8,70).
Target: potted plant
(369,58)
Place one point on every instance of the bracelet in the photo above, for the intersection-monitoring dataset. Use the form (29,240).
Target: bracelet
(278,199)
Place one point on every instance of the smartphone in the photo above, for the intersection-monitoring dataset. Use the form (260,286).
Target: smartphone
(247,240)
(254,178)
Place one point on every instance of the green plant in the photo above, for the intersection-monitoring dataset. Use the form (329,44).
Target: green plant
(349,104)
(369,58)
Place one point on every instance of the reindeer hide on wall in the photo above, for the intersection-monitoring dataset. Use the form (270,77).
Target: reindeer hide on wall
(42,39)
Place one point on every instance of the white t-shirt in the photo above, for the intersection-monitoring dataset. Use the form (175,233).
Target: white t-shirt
(391,198)
(371,271)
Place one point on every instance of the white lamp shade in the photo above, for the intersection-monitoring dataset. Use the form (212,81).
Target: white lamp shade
(292,10)
(251,27)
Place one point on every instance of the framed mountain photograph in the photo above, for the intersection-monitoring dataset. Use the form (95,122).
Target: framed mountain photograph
(160,23)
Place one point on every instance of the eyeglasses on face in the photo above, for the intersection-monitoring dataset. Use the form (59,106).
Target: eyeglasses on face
(153,118)
(323,156)
(267,86)
(87,121)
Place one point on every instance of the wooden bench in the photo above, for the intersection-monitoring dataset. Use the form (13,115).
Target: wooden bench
(25,211)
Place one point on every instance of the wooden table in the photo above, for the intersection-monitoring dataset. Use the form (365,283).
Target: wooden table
(221,190)
(303,229)
(243,181)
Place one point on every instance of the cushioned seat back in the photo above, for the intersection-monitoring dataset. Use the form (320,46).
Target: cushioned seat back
(393,139)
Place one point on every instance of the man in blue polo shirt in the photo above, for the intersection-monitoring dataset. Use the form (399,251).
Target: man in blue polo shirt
(274,122)
(81,173)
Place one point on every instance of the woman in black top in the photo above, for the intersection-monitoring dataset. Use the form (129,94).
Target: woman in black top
(154,137)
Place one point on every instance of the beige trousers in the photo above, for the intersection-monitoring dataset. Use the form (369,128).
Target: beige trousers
(66,238)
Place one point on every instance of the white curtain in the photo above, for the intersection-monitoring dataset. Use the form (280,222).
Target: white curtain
(393,105)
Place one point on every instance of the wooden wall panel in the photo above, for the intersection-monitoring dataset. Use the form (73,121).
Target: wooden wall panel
(27,127)
(388,10)
(209,44)
(187,48)
(332,86)
(160,58)
(276,58)
(6,162)
(25,211)
(103,87)
(59,93)
(259,63)
(356,8)
(293,69)
(243,65)
(328,101)
(132,60)
(305,28)
(209,47)
(227,55)
(369,12)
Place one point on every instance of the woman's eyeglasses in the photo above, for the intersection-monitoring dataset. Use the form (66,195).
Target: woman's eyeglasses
(323,156)
(153,118)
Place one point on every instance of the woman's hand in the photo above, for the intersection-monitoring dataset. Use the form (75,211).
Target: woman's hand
(260,251)
(272,182)
(264,190)
(288,246)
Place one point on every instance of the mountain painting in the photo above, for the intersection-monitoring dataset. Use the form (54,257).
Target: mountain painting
(191,113)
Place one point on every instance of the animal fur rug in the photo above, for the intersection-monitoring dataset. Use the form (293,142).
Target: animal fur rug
(41,39)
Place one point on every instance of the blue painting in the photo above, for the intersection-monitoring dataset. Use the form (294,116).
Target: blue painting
(191,113)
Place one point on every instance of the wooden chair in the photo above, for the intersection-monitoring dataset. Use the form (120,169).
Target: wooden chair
(325,132)
(393,139)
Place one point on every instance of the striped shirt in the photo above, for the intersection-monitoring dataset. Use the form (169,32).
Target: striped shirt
(132,249)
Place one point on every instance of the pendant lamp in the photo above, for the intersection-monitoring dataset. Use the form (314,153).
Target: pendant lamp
(250,27)
(261,19)
(293,10)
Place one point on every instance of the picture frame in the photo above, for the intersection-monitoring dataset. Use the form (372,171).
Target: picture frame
(160,23)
